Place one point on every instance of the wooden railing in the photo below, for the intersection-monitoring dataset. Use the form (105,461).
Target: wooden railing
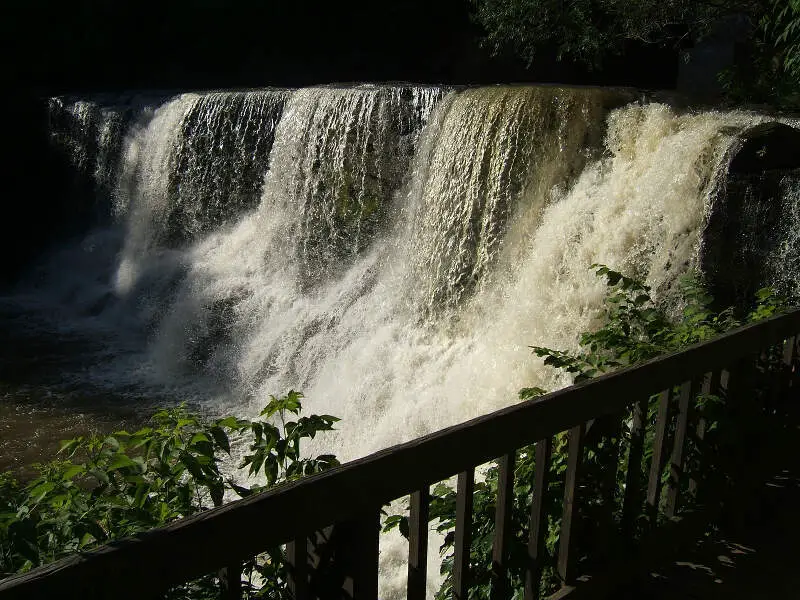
(345,503)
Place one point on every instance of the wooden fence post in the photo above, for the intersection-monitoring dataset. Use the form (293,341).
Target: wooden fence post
(709,387)
(502,526)
(230,581)
(606,527)
(538,530)
(345,559)
(297,564)
(362,549)
(631,502)
(657,464)
(739,392)
(676,460)
(418,544)
(463,537)
(566,553)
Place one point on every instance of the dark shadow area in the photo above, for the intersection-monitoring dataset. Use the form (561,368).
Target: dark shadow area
(753,552)
(752,209)
(89,46)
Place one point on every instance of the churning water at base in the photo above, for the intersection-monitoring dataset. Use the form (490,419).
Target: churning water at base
(390,251)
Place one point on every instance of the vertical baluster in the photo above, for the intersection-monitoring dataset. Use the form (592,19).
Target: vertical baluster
(538,532)
(502,526)
(463,538)
(612,427)
(566,554)
(739,384)
(787,364)
(659,442)
(358,543)
(418,544)
(631,501)
(676,460)
(230,577)
(230,580)
(709,386)
(789,351)
(297,565)
(796,348)
(740,408)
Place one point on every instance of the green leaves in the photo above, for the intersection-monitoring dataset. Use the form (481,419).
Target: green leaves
(275,452)
(289,403)
(529,393)
(221,438)
(634,328)
(112,487)
(399,522)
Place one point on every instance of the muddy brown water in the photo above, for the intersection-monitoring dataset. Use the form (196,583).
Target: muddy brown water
(40,406)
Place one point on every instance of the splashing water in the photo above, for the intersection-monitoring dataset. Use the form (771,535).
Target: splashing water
(389,250)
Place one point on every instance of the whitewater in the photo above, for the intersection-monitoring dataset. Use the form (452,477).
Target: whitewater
(390,250)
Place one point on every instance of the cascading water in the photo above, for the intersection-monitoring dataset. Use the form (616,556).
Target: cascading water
(90,137)
(219,162)
(496,154)
(784,260)
(389,250)
(340,156)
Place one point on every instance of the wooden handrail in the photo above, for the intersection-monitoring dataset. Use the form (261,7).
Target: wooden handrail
(153,561)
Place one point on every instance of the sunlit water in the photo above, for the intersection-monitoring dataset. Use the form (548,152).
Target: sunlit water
(392,251)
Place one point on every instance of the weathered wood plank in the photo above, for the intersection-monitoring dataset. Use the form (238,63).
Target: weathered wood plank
(606,533)
(538,528)
(360,550)
(418,544)
(463,537)
(566,545)
(789,351)
(631,502)
(657,464)
(297,565)
(230,582)
(709,386)
(207,541)
(678,443)
(781,391)
(795,362)
(503,533)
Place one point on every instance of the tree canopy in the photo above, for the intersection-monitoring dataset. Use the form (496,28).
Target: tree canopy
(588,31)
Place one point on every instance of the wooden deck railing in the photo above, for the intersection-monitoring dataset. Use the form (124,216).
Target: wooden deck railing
(350,497)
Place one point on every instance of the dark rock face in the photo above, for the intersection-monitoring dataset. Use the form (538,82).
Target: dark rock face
(751,220)
(33,177)
(767,147)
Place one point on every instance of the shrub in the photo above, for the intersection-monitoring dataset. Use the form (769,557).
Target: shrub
(107,488)
(634,328)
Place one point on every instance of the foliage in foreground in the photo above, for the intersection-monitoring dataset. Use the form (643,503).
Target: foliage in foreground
(634,328)
(107,488)
(103,489)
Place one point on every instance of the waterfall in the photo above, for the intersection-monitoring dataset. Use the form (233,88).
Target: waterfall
(784,260)
(391,251)
(90,137)
(192,167)
(339,158)
(220,159)
(497,155)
